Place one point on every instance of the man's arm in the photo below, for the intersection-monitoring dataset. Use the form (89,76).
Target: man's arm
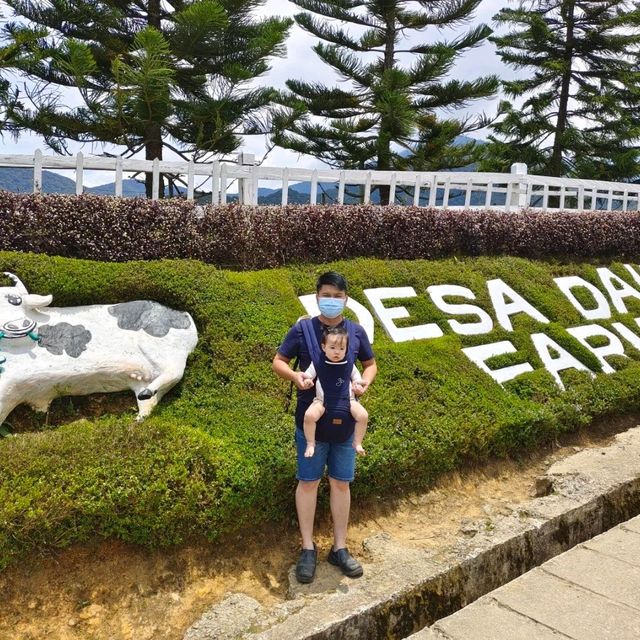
(369,371)
(282,369)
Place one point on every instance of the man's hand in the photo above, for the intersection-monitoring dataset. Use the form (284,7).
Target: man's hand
(360,387)
(303,381)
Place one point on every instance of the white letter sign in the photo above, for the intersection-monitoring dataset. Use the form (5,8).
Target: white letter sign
(480,354)
(543,344)
(485,323)
(614,348)
(388,315)
(602,309)
(624,290)
(501,291)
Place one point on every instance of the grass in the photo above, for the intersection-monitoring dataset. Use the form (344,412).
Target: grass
(218,452)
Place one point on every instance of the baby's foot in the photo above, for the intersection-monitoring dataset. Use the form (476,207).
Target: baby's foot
(309,451)
(359,449)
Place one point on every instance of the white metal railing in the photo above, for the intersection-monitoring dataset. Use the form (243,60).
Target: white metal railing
(452,189)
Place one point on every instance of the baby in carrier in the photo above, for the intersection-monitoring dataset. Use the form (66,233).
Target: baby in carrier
(330,390)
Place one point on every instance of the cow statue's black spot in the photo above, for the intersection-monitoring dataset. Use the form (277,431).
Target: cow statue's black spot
(58,338)
(149,316)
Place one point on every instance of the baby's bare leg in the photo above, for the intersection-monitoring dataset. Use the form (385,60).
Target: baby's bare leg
(311,417)
(361,417)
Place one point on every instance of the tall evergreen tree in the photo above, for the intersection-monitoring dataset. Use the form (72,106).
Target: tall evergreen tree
(580,108)
(387,118)
(10,55)
(151,74)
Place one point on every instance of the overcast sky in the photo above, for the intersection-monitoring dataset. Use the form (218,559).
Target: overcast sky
(302,63)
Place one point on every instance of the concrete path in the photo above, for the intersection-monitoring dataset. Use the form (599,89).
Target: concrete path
(405,588)
(591,592)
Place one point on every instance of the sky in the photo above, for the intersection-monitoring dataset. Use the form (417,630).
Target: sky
(301,62)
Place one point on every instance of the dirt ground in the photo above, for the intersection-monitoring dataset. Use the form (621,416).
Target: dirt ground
(112,591)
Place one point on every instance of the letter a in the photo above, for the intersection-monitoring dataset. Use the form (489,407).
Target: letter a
(500,292)
(616,293)
(544,346)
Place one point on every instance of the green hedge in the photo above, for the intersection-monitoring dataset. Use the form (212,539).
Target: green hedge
(217,454)
(257,237)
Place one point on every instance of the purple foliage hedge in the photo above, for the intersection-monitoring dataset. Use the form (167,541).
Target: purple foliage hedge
(115,229)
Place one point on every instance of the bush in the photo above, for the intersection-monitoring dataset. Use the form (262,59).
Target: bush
(118,229)
(218,452)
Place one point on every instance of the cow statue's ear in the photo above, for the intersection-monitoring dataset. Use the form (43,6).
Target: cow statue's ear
(17,283)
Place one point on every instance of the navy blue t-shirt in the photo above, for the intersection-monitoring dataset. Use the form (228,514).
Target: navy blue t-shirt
(294,345)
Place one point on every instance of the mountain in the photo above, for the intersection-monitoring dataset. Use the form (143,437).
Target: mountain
(20,180)
(299,194)
(130,188)
(328,191)
(275,197)
(263,192)
(460,140)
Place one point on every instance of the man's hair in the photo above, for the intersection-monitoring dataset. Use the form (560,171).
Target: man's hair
(333,278)
(340,331)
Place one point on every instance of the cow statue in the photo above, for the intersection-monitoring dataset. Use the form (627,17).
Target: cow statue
(49,352)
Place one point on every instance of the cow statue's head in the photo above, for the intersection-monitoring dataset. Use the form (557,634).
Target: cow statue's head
(15,301)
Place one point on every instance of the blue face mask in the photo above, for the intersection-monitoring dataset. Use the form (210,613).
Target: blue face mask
(331,307)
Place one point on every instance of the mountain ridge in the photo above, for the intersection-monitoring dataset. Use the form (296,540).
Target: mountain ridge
(20,180)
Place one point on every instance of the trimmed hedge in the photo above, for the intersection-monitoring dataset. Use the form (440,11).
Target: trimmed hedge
(218,452)
(118,229)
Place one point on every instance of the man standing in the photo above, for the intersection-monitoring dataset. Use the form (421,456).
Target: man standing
(338,457)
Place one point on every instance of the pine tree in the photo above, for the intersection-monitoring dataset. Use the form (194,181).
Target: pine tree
(151,75)
(387,118)
(10,55)
(580,114)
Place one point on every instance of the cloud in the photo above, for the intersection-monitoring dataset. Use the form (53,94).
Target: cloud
(302,63)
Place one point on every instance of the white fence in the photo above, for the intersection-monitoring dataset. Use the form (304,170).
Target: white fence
(452,189)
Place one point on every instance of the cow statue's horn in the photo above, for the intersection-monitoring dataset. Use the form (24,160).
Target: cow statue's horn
(33,301)
(17,283)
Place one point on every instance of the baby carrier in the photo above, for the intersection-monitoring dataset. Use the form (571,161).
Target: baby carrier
(337,423)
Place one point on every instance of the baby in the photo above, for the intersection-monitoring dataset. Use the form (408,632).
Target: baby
(334,344)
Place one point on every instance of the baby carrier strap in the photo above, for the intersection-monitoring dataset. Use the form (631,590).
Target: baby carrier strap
(351,351)
(310,337)
(312,341)
(337,423)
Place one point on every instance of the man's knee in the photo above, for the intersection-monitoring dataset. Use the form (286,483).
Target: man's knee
(308,486)
(339,485)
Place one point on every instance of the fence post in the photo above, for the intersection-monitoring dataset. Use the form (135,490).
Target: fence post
(37,171)
(245,185)
(79,173)
(118,177)
(519,190)
(155,183)
(190,179)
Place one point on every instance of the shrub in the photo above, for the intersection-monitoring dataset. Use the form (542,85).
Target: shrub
(118,229)
(218,451)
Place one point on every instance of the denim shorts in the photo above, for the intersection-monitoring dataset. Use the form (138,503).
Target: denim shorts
(340,458)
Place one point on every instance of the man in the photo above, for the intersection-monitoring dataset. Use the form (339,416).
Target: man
(337,456)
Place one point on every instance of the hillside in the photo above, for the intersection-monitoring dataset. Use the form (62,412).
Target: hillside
(217,454)
(20,180)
